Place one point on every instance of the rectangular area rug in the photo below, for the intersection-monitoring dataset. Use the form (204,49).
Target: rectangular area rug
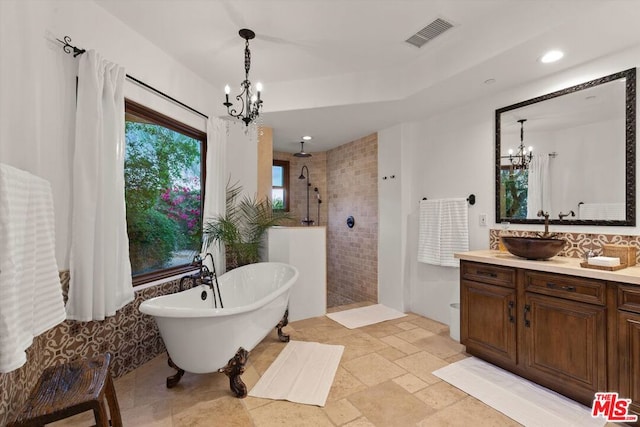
(303,372)
(521,400)
(363,316)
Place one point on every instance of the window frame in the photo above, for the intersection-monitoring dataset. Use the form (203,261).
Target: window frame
(284,164)
(155,117)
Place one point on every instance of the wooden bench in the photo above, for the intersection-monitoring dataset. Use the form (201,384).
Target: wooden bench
(69,389)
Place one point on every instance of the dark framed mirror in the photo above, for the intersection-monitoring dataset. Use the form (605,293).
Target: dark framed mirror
(571,153)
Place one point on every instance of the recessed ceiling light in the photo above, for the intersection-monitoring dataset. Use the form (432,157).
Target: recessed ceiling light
(551,56)
(307,138)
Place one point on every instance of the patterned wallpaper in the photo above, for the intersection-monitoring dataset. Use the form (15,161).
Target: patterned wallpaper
(132,337)
(578,243)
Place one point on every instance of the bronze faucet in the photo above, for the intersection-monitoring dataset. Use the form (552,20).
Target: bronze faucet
(564,215)
(546,234)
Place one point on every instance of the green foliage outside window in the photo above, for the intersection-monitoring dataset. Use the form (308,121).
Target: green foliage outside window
(163,196)
(278,205)
(515,190)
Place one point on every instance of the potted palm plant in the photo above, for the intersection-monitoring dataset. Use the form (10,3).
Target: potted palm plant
(241,229)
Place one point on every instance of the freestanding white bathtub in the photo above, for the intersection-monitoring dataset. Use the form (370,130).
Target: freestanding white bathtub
(201,338)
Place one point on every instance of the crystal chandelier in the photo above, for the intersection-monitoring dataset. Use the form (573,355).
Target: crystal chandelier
(250,102)
(523,157)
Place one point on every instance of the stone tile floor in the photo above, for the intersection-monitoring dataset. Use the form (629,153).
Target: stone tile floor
(384,379)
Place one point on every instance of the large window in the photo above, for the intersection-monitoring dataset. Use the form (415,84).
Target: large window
(164,172)
(280,185)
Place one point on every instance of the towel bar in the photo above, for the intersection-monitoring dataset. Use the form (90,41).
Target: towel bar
(471,199)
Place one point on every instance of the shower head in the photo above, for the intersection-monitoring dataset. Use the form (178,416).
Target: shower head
(301,153)
(302,172)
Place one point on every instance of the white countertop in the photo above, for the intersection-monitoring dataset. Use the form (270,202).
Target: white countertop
(557,264)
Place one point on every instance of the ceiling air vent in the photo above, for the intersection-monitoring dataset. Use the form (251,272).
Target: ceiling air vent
(429,32)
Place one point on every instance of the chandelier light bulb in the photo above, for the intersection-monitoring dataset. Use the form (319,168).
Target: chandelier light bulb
(259,87)
(227,90)
(510,151)
(530,149)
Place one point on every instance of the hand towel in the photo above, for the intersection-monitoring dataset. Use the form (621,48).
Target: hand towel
(602,211)
(31,299)
(443,230)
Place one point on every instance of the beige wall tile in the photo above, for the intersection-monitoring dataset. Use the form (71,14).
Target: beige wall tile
(352,180)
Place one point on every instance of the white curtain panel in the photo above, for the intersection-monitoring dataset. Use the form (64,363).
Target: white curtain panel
(539,189)
(99,259)
(215,185)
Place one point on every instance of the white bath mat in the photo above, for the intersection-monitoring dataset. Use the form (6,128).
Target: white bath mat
(521,400)
(303,373)
(363,316)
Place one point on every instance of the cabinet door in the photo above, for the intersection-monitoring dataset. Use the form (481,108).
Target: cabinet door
(488,328)
(565,345)
(629,357)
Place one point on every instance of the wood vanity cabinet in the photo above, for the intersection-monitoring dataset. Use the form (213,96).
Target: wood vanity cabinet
(629,345)
(489,328)
(564,333)
(549,328)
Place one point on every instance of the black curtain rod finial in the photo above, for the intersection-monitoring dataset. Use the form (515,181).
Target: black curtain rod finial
(69,48)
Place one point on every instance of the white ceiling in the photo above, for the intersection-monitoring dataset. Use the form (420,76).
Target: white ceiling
(340,69)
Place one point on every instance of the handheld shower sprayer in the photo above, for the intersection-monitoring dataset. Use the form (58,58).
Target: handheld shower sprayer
(319,201)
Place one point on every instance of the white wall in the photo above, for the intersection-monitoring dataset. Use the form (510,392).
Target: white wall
(453,156)
(37,83)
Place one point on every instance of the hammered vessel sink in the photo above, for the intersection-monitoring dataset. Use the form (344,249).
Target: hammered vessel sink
(533,247)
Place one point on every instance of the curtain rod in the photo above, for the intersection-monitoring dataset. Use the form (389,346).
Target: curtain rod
(69,48)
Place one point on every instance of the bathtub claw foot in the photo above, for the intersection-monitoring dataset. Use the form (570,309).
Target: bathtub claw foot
(173,380)
(284,322)
(234,369)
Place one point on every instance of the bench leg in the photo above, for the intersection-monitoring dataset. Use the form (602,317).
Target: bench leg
(100,414)
(112,401)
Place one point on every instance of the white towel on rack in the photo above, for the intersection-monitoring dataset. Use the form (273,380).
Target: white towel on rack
(30,292)
(443,230)
(606,211)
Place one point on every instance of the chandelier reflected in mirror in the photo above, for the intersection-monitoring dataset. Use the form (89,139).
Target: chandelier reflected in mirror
(522,158)
(250,103)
